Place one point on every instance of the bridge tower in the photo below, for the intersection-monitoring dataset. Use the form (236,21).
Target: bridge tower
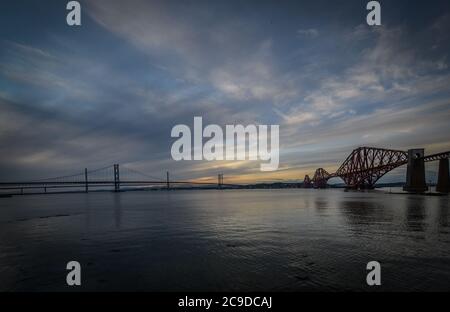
(415,174)
(320,178)
(116,178)
(307,182)
(167,180)
(86,188)
(443,184)
(220,180)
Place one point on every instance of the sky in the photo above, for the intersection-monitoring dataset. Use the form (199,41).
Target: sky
(110,91)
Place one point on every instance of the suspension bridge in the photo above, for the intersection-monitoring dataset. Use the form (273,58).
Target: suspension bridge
(360,170)
(114,177)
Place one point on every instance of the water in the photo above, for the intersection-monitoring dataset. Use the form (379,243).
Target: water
(232,240)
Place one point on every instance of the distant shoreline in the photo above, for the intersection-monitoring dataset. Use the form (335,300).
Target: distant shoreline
(259,186)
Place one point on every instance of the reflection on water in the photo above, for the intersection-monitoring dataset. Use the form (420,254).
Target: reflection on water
(117,210)
(443,214)
(415,215)
(273,240)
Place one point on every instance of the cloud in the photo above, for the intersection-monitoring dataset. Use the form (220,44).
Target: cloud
(308,33)
(113,93)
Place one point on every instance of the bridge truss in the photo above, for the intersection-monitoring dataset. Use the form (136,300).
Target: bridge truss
(366,165)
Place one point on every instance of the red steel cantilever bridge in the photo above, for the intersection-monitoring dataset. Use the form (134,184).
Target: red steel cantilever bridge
(366,165)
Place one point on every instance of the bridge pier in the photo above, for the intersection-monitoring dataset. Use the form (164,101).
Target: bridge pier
(443,184)
(321,184)
(415,174)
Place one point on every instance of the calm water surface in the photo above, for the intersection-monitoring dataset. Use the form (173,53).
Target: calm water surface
(233,240)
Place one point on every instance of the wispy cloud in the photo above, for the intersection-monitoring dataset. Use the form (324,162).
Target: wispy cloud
(113,93)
